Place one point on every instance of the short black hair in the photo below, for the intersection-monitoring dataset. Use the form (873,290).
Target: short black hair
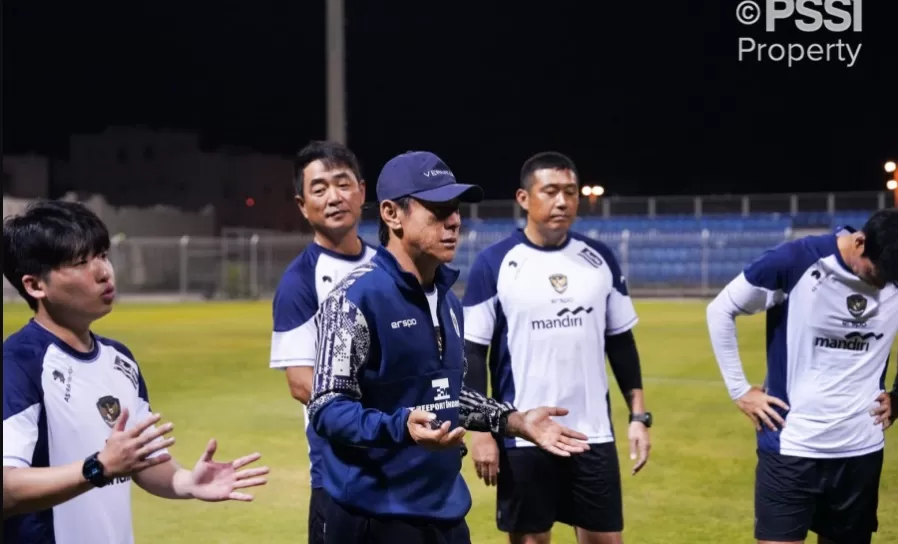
(332,154)
(383,231)
(47,236)
(881,243)
(552,160)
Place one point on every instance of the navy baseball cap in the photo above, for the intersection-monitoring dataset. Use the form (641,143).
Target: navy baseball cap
(422,175)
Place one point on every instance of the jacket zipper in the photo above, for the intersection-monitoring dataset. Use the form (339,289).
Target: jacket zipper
(439,337)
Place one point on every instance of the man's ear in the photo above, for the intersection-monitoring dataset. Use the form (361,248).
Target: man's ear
(362,188)
(301,204)
(860,241)
(34,286)
(389,212)
(523,198)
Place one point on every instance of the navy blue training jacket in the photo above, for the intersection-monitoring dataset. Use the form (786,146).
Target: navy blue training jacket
(378,358)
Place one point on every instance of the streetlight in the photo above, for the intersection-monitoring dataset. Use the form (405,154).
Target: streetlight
(892,184)
(335,62)
(592,193)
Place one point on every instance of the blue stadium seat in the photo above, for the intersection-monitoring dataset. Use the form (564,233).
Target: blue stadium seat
(671,250)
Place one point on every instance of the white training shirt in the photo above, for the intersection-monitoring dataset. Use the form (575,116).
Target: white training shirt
(59,406)
(305,284)
(828,339)
(545,313)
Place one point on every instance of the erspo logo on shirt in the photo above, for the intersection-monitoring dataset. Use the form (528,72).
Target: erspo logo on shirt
(406,323)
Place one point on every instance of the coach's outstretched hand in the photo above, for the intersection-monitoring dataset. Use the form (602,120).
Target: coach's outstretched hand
(212,481)
(537,426)
(758,407)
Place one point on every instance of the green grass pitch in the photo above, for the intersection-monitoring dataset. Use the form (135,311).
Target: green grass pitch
(206,366)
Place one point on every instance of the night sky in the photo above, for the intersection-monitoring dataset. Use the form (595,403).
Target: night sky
(647,97)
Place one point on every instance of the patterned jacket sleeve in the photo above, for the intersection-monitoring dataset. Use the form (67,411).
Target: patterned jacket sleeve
(335,409)
(480,413)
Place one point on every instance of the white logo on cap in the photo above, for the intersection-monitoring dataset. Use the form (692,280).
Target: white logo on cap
(430,173)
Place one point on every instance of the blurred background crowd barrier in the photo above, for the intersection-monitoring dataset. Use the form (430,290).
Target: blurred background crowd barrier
(670,246)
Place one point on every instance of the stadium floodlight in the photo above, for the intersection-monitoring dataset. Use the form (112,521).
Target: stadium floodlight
(890,166)
(598,190)
(586,190)
(892,185)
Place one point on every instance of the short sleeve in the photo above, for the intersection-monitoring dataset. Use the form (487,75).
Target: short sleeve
(22,405)
(767,281)
(620,314)
(480,301)
(295,332)
(773,270)
(142,408)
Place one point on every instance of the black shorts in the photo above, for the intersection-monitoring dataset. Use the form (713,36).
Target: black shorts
(317,512)
(835,498)
(346,526)
(536,489)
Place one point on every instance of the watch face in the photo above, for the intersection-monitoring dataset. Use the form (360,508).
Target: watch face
(93,471)
(645,419)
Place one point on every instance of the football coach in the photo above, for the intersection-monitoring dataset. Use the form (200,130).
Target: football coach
(388,394)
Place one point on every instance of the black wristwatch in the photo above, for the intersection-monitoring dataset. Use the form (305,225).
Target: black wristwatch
(645,419)
(92,470)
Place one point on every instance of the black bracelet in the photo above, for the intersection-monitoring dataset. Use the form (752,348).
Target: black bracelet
(503,422)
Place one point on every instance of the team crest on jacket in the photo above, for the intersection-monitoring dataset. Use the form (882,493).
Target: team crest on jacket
(559,282)
(857,304)
(110,409)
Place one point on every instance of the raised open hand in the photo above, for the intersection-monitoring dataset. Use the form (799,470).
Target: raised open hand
(213,481)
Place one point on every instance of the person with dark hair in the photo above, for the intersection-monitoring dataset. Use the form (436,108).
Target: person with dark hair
(832,316)
(388,393)
(546,160)
(330,192)
(547,301)
(77,424)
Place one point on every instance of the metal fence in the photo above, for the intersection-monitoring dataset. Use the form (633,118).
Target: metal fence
(788,205)
(243,265)
(249,267)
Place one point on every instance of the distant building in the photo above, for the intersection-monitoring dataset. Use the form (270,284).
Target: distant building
(145,167)
(26,176)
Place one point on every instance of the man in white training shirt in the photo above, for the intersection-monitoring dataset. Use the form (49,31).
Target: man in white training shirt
(330,192)
(77,424)
(832,315)
(548,304)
